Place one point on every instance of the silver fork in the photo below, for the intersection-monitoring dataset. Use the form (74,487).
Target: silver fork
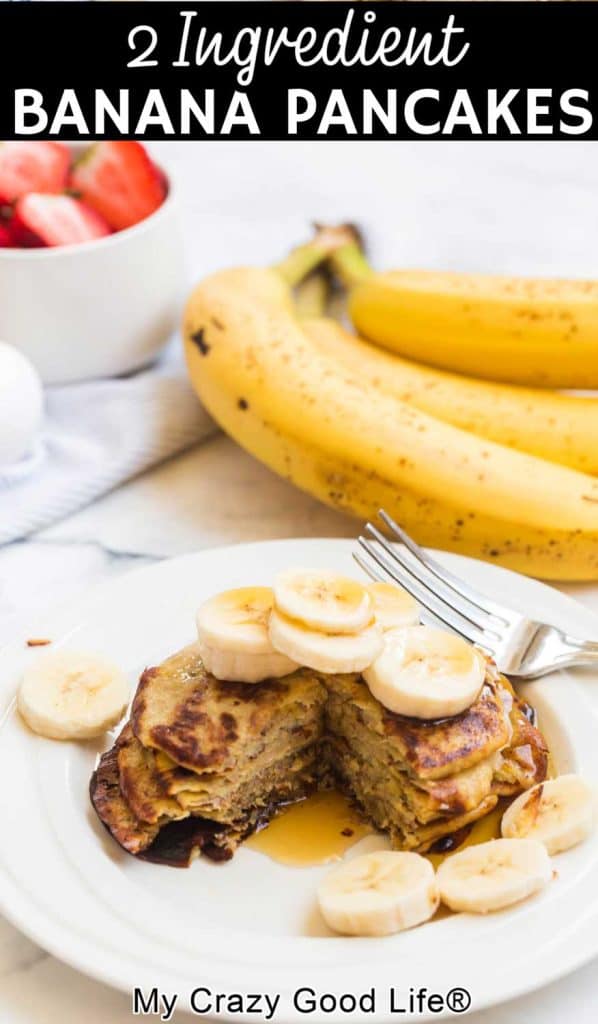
(519,646)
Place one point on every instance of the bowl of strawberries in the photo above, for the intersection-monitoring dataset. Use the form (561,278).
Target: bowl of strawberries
(91,268)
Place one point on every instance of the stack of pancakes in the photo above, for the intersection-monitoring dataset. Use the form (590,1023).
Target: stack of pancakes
(202,763)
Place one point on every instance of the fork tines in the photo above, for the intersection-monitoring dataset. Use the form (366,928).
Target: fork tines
(446,600)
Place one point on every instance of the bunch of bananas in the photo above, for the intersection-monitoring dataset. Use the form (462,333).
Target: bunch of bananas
(499,471)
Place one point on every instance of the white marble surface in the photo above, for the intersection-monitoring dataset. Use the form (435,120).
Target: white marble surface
(518,207)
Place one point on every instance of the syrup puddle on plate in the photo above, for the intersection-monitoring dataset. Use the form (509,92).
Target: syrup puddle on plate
(318,830)
(481,831)
(321,828)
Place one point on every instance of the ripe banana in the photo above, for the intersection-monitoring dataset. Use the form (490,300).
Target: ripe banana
(267,384)
(379,894)
(325,652)
(493,875)
(543,333)
(67,695)
(393,606)
(558,427)
(426,673)
(233,640)
(559,812)
(322,600)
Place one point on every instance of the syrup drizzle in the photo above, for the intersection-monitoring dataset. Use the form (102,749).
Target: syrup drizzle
(320,829)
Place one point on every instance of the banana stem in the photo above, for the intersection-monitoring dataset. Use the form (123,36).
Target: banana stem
(299,263)
(305,258)
(350,264)
(312,294)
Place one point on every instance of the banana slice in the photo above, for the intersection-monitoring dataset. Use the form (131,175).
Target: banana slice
(424,672)
(233,637)
(493,875)
(325,652)
(559,812)
(323,600)
(67,695)
(379,894)
(235,667)
(393,607)
(237,620)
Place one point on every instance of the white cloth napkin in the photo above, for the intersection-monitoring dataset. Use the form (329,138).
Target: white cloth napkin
(96,435)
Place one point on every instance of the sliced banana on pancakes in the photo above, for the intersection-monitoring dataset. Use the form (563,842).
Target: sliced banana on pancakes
(393,607)
(423,672)
(234,642)
(324,621)
(323,600)
(560,813)
(68,695)
(325,652)
(493,875)
(379,893)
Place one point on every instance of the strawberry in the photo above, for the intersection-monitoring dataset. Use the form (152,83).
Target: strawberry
(32,167)
(6,239)
(56,220)
(120,181)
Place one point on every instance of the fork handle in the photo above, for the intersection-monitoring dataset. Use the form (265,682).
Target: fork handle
(551,649)
(580,652)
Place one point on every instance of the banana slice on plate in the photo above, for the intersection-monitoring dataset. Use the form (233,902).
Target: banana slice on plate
(424,672)
(559,812)
(493,875)
(323,600)
(393,607)
(234,644)
(325,652)
(67,695)
(379,893)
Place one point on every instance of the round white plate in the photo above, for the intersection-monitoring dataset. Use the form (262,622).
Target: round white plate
(251,926)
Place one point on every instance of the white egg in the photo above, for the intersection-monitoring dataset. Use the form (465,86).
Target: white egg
(21,404)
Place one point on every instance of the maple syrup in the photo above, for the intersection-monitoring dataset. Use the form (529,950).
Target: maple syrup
(481,831)
(318,830)
(321,828)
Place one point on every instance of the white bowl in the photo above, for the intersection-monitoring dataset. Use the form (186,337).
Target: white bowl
(99,309)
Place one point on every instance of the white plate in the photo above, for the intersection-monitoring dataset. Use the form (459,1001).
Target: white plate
(251,926)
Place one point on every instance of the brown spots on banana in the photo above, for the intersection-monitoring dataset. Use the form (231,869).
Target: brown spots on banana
(199,340)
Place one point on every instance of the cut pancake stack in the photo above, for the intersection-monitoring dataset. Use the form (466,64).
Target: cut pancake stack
(203,762)
(421,780)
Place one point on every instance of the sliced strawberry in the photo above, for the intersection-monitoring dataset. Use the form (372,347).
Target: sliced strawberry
(56,220)
(22,237)
(6,238)
(120,181)
(32,167)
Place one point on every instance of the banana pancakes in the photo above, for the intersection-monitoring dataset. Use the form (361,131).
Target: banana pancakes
(202,763)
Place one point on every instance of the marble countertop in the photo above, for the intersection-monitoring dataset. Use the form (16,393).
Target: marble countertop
(521,207)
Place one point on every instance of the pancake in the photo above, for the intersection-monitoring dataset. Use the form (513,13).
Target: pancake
(141,785)
(112,808)
(176,838)
(210,726)
(156,793)
(425,749)
(166,842)
(419,781)
(525,761)
(229,754)
(203,763)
